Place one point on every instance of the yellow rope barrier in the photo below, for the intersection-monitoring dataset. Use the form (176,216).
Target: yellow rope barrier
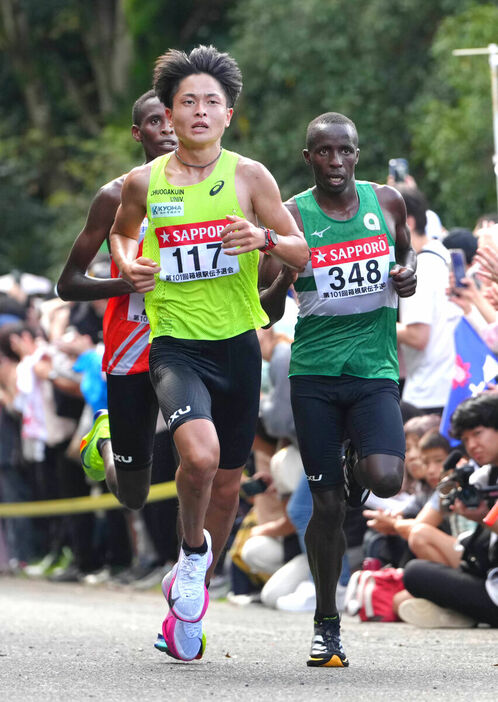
(44,508)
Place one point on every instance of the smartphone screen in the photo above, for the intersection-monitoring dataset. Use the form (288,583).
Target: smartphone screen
(458,266)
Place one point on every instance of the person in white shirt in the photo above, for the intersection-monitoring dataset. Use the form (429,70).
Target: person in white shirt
(428,318)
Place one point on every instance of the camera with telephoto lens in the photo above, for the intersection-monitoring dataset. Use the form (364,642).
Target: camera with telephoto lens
(467,484)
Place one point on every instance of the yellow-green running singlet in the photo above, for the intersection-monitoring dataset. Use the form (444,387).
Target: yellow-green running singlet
(201,293)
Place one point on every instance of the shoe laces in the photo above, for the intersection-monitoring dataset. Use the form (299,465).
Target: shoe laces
(327,637)
(190,574)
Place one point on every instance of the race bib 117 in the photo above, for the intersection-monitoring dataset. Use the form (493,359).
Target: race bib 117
(193,252)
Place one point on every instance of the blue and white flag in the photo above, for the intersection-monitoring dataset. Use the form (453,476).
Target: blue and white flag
(475,367)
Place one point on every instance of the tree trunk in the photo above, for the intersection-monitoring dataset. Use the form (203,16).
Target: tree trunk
(109,46)
(20,49)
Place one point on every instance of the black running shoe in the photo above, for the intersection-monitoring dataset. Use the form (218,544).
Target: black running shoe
(356,495)
(326,647)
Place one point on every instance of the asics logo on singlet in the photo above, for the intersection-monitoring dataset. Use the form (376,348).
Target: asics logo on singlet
(315,478)
(320,234)
(217,187)
(122,459)
(177,414)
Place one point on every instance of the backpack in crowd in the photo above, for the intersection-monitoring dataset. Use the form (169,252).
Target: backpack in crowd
(370,594)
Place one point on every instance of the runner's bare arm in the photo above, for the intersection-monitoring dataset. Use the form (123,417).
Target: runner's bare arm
(403,273)
(74,283)
(273,282)
(275,278)
(125,231)
(268,207)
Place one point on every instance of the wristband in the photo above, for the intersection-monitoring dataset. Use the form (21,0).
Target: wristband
(271,240)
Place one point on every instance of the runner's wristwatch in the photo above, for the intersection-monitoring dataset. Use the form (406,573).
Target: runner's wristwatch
(271,240)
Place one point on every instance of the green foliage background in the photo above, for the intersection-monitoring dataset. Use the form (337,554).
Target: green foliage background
(71,69)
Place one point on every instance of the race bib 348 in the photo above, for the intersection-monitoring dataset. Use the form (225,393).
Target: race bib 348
(357,267)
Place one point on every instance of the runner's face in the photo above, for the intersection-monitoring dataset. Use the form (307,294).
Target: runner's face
(155,131)
(199,113)
(333,155)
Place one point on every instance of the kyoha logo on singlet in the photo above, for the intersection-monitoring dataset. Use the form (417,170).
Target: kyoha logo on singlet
(166,209)
(198,232)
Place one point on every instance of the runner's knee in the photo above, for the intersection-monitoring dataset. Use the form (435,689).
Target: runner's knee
(383,474)
(199,462)
(329,509)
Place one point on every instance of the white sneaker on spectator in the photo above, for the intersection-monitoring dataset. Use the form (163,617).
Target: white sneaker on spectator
(303,599)
(243,600)
(427,615)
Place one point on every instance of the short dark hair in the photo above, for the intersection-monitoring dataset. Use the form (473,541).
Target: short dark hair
(460,238)
(421,424)
(138,107)
(481,410)
(434,440)
(416,206)
(173,66)
(7,331)
(328,118)
(489,217)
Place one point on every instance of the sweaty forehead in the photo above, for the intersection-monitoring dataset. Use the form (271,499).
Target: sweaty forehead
(199,84)
(152,106)
(324,132)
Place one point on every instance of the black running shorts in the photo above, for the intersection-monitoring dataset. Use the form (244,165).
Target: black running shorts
(329,409)
(133,412)
(215,380)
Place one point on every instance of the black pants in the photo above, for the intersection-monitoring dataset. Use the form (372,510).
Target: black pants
(451,588)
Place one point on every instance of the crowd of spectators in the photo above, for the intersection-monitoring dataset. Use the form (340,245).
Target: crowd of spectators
(51,384)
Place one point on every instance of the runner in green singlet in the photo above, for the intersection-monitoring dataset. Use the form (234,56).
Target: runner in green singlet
(344,366)
(199,271)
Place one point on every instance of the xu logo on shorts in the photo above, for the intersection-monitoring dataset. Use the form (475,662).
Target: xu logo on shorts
(178,413)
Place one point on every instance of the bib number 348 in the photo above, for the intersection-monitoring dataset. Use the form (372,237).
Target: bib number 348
(354,268)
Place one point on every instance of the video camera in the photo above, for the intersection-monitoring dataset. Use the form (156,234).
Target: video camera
(458,484)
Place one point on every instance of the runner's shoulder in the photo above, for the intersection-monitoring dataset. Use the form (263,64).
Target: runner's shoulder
(386,192)
(110,193)
(137,180)
(249,169)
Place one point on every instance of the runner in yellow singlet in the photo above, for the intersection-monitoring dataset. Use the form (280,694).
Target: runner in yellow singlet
(199,272)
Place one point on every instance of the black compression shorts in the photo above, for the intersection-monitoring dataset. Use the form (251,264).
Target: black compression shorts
(133,412)
(328,409)
(215,380)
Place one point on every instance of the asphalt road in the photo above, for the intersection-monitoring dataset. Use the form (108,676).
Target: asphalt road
(74,642)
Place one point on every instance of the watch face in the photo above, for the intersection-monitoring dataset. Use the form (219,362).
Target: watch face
(273,237)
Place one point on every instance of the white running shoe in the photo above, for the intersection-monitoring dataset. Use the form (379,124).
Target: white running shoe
(184,586)
(427,615)
(184,640)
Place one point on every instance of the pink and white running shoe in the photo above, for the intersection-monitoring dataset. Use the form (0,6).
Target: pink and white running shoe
(184,641)
(184,586)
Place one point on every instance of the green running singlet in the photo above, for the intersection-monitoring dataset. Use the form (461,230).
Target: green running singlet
(348,305)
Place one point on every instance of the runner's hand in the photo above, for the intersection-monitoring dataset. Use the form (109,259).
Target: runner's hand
(241,236)
(404,280)
(140,273)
